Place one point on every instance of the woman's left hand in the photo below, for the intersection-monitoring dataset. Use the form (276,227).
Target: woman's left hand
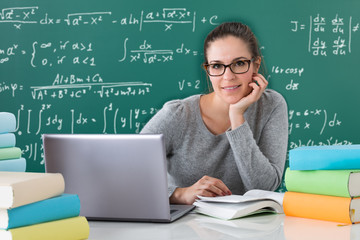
(237,110)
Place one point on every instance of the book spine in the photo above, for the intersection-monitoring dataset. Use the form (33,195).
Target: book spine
(327,159)
(70,229)
(321,207)
(13,165)
(7,140)
(323,182)
(61,207)
(10,153)
(37,189)
(7,122)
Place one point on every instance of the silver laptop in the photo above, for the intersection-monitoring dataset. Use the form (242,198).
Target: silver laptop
(120,177)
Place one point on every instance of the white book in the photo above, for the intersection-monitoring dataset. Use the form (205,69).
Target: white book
(236,206)
(21,188)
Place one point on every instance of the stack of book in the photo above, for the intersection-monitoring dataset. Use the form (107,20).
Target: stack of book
(323,182)
(10,156)
(33,206)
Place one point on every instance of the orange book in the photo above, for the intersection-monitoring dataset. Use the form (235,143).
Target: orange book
(322,207)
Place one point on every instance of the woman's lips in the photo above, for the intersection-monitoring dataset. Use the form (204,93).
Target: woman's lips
(231,87)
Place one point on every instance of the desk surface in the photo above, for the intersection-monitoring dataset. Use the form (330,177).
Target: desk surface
(195,226)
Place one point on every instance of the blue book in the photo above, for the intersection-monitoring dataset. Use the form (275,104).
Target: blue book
(335,157)
(7,140)
(56,208)
(13,165)
(7,122)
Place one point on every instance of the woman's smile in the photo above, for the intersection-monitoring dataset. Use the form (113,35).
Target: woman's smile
(234,87)
(231,88)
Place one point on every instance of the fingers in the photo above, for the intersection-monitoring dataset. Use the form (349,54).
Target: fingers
(206,186)
(258,84)
(209,185)
(259,81)
(205,193)
(237,110)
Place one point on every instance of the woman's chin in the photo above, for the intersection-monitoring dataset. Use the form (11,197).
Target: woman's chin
(232,99)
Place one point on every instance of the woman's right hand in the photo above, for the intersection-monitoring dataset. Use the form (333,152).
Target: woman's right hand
(206,187)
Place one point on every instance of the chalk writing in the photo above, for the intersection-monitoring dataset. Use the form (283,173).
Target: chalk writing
(188,84)
(294,72)
(78,90)
(342,29)
(53,51)
(112,121)
(109,67)
(8,52)
(308,116)
(10,87)
(311,142)
(145,53)
(18,16)
(167,17)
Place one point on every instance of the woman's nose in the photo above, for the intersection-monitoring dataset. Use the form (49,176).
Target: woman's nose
(228,74)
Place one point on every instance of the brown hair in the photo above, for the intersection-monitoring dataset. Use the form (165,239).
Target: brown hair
(235,29)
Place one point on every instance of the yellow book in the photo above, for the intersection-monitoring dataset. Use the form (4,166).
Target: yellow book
(75,228)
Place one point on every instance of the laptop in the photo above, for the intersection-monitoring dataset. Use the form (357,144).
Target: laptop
(118,177)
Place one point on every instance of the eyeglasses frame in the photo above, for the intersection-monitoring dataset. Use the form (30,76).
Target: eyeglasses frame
(206,65)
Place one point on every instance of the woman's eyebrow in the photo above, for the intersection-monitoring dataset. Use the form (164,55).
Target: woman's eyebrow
(215,61)
(240,58)
(235,59)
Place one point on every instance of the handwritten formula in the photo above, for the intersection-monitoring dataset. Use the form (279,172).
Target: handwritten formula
(166,17)
(109,67)
(342,30)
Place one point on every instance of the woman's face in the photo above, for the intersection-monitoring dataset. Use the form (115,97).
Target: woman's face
(231,87)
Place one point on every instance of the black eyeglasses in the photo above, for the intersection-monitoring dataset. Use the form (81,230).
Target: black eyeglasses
(238,67)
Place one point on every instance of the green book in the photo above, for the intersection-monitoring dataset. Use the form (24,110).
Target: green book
(341,183)
(10,153)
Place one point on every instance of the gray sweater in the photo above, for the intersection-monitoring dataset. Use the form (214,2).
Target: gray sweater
(251,156)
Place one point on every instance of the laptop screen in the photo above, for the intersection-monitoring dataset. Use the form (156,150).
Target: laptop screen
(119,176)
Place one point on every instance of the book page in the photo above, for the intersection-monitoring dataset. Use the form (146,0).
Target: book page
(252,195)
(225,210)
(263,194)
(228,199)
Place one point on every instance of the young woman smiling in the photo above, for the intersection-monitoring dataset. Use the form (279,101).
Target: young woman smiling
(232,139)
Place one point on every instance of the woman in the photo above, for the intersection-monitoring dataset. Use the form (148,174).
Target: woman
(233,139)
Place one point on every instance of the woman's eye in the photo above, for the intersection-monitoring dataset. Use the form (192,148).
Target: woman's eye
(239,63)
(215,66)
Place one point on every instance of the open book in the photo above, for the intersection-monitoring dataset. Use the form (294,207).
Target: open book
(236,206)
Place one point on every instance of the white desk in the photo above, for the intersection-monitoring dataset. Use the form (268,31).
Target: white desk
(195,226)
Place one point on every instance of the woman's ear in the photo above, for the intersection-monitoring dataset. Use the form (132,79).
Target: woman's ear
(257,63)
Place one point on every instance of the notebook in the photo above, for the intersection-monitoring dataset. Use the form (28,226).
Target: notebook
(119,177)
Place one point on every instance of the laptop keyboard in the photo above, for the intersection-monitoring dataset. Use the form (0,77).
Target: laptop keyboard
(173,210)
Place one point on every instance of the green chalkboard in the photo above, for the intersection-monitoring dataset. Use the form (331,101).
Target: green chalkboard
(90,66)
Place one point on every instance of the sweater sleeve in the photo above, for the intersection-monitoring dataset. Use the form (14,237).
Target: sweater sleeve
(167,121)
(261,164)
